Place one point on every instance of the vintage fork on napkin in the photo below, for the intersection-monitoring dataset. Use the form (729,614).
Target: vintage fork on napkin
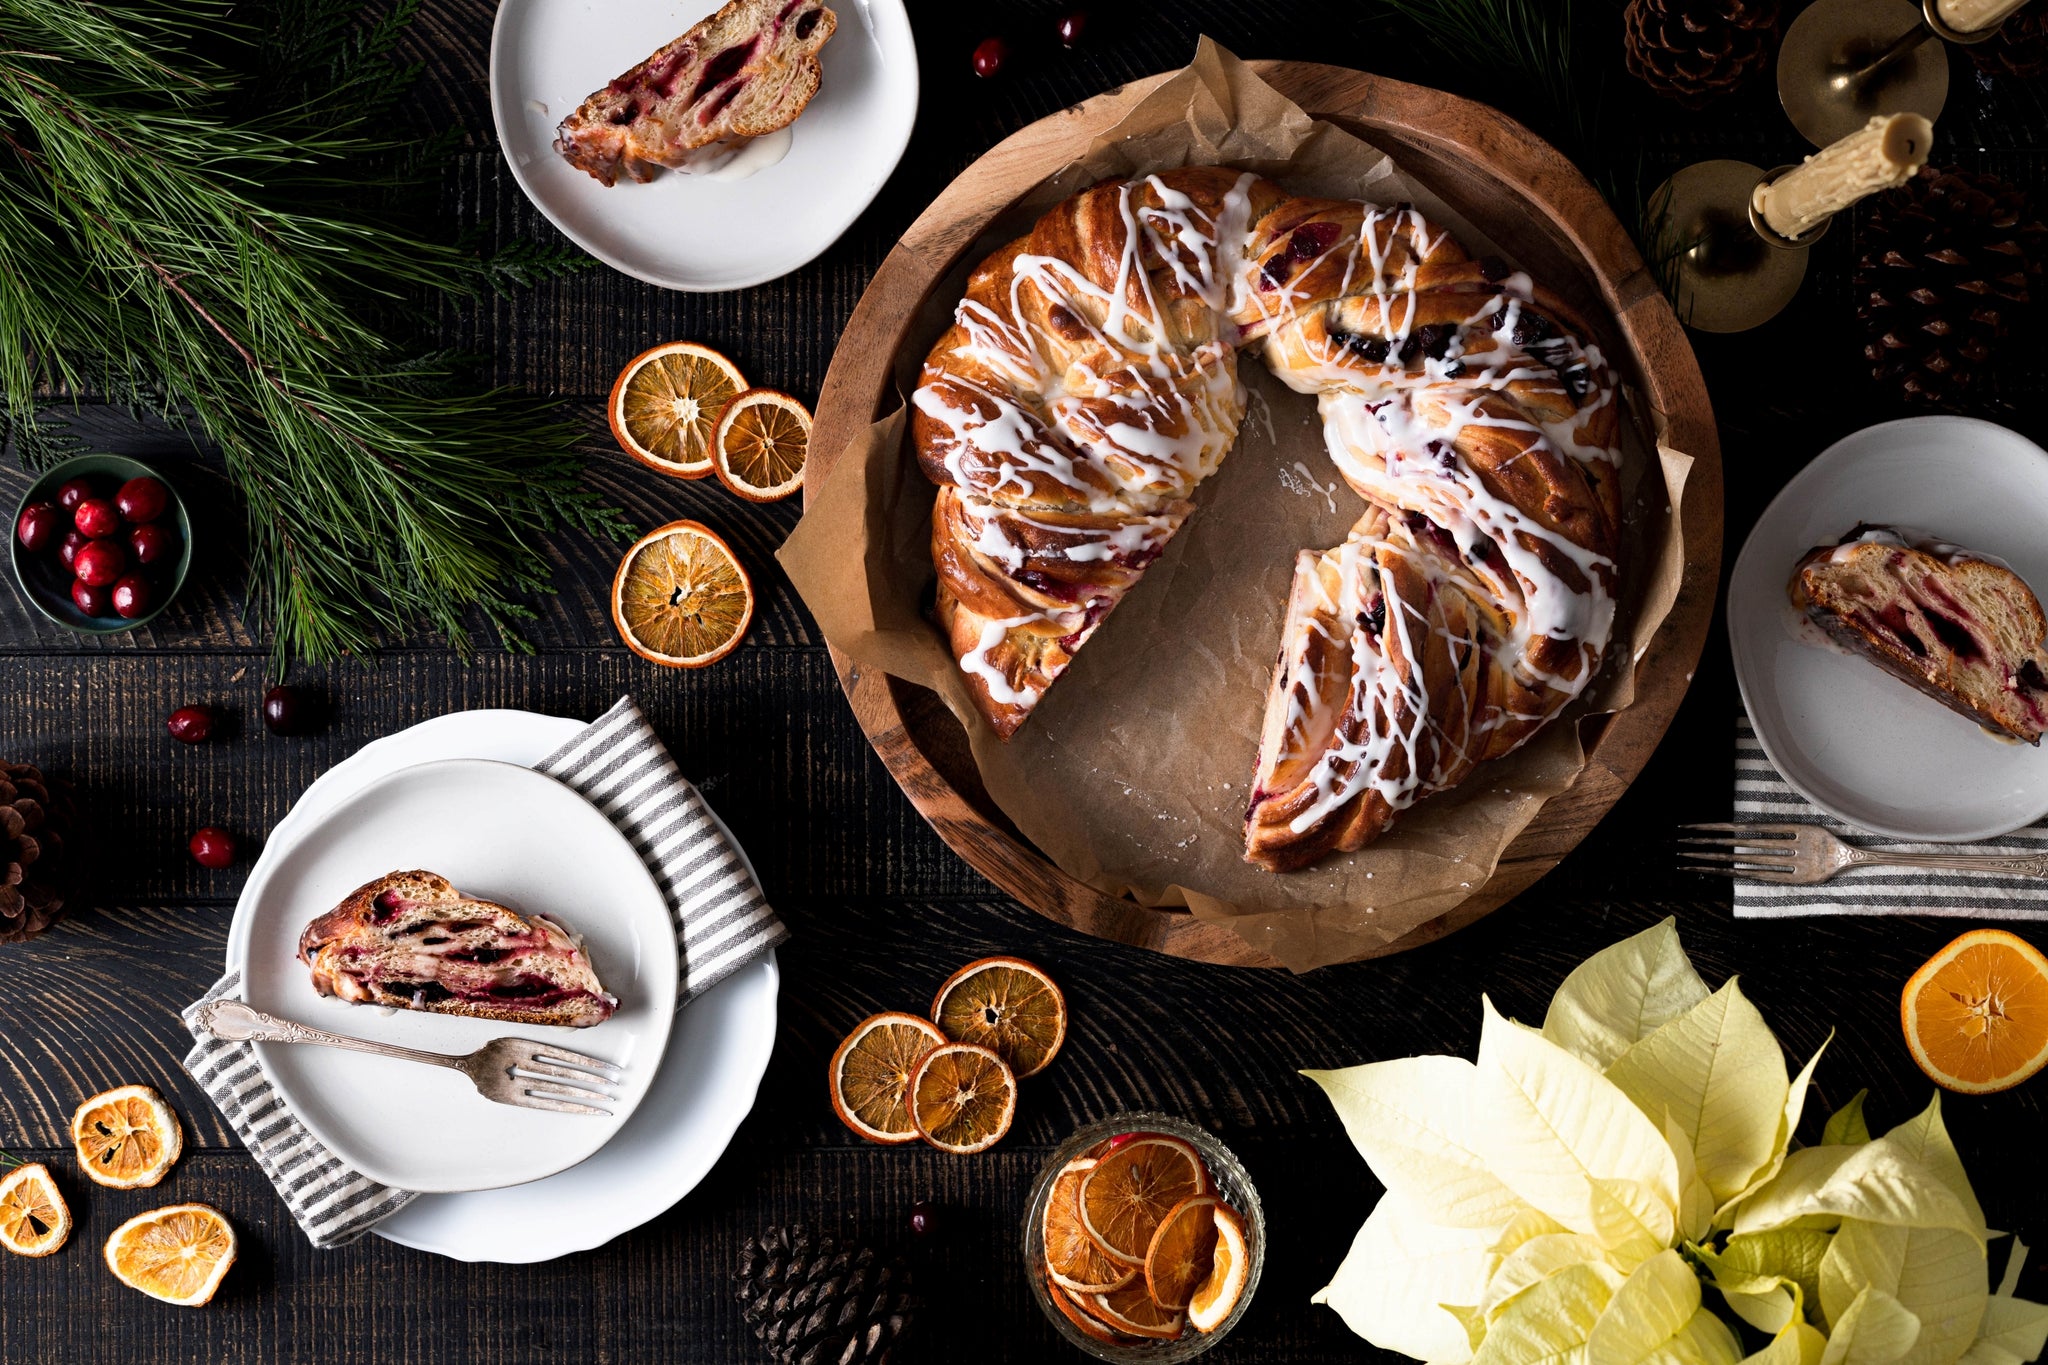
(516,1071)
(1801,855)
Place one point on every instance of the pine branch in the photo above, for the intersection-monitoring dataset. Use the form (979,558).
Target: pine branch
(242,270)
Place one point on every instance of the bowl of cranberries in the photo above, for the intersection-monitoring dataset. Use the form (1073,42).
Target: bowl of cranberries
(100,544)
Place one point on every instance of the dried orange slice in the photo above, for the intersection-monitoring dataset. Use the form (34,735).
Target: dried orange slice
(962,1097)
(870,1075)
(666,403)
(1007,1005)
(1216,1297)
(1130,1310)
(127,1137)
(680,598)
(1976,1015)
(1182,1251)
(1128,1194)
(1069,1305)
(34,1219)
(1073,1261)
(178,1254)
(759,447)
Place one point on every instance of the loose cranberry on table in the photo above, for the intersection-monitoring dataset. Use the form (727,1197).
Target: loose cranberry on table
(191,724)
(990,56)
(151,542)
(132,597)
(68,548)
(97,518)
(290,710)
(99,562)
(1072,26)
(40,526)
(72,492)
(142,499)
(91,600)
(213,847)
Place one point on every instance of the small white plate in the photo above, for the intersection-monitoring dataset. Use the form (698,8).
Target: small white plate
(696,232)
(498,831)
(706,1085)
(1855,741)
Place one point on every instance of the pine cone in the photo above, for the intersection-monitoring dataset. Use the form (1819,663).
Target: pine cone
(2020,49)
(1695,51)
(33,821)
(813,1301)
(1950,261)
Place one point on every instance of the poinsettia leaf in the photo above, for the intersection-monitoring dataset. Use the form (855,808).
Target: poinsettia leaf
(1937,1274)
(1717,1072)
(1695,1201)
(1623,994)
(1555,1127)
(1878,1182)
(1549,1325)
(1535,1261)
(1846,1127)
(1649,1308)
(1400,1270)
(1795,1109)
(2015,1326)
(1875,1329)
(1925,1139)
(1799,1343)
(1410,1120)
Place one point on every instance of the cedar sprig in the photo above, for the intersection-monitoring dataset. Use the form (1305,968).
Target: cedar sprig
(164,239)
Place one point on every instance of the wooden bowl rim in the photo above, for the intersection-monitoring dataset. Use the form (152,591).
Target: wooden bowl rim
(858,390)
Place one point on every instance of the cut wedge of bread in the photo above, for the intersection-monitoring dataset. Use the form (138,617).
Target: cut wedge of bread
(746,71)
(410,940)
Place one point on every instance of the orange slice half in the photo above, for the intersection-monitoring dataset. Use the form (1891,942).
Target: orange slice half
(126,1137)
(179,1254)
(1976,1015)
(759,448)
(680,598)
(1073,1261)
(1215,1299)
(1087,1324)
(666,403)
(1128,1194)
(870,1075)
(1007,1005)
(34,1219)
(1182,1251)
(962,1098)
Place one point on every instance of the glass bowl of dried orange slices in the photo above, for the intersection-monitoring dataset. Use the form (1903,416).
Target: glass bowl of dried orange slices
(1144,1239)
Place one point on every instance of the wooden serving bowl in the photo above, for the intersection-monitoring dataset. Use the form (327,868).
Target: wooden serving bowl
(1487,167)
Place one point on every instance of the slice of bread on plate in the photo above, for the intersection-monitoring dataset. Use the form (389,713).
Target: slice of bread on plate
(410,940)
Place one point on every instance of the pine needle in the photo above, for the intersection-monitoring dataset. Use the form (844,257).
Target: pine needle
(215,238)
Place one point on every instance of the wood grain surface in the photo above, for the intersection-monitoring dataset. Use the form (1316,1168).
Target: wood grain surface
(881,909)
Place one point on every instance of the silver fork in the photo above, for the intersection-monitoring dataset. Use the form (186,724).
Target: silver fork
(1801,855)
(516,1071)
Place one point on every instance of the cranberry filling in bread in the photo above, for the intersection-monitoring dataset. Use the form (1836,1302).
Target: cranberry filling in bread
(1962,628)
(411,941)
(745,72)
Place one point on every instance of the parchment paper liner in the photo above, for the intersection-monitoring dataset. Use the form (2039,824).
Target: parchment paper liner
(1132,774)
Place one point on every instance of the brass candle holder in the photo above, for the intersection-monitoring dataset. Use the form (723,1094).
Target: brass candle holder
(1843,61)
(1731,270)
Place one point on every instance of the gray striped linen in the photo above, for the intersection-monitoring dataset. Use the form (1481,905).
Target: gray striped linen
(1761,794)
(723,921)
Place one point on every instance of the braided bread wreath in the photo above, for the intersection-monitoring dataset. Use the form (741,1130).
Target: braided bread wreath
(1089,383)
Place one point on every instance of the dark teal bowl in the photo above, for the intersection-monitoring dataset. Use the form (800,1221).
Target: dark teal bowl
(44,580)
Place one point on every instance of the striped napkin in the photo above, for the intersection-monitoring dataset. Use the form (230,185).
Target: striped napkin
(1761,794)
(723,921)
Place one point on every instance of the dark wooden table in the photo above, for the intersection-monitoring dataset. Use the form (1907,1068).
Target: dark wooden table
(881,910)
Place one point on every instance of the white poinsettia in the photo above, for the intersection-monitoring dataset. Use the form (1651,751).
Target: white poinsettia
(1564,1199)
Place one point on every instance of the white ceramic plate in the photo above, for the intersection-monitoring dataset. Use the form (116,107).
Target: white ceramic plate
(1855,741)
(505,833)
(696,232)
(707,1083)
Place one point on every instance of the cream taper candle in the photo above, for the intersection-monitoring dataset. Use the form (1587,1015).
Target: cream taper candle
(1972,16)
(1883,153)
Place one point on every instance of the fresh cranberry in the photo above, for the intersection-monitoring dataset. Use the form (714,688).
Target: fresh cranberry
(290,710)
(40,525)
(142,499)
(1072,26)
(191,724)
(1121,1139)
(97,518)
(100,562)
(68,548)
(213,847)
(72,492)
(91,600)
(924,1219)
(132,597)
(151,541)
(990,56)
